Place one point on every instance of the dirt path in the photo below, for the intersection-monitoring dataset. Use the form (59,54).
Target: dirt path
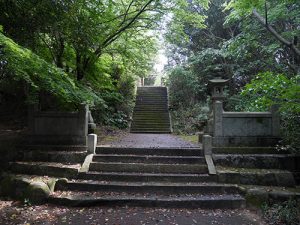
(148,140)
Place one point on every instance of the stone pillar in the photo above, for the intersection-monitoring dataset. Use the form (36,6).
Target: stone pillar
(32,110)
(83,118)
(207,144)
(218,119)
(92,143)
(91,124)
(275,120)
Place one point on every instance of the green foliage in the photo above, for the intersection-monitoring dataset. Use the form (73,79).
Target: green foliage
(74,34)
(269,89)
(189,120)
(183,87)
(284,213)
(23,65)
(236,46)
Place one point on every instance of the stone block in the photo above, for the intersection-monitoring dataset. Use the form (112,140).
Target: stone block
(256,197)
(37,192)
(92,143)
(207,144)
(285,179)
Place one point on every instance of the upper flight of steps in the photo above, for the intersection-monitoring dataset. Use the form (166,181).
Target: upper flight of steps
(151,113)
(164,177)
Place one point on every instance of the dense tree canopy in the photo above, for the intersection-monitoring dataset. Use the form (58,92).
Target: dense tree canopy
(241,40)
(99,48)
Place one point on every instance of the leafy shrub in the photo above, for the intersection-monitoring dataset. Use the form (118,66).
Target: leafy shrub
(22,65)
(268,89)
(278,214)
(189,120)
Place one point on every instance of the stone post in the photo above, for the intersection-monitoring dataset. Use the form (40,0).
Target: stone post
(275,120)
(83,118)
(218,119)
(207,144)
(32,110)
(92,143)
(91,124)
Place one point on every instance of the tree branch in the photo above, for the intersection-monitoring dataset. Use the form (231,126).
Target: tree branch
(112,37)
(275,34)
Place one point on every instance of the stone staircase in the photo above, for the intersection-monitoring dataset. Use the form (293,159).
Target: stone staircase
(263,166)
(160,177)
(151,114)
(51,160)
(164,177)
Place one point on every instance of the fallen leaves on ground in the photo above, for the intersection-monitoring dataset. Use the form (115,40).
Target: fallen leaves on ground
(12,212)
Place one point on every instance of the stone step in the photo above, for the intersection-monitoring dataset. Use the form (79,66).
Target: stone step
(151,108)
(161,114)
(56,156)
(258,161)
(147,177)
(247,150)
(159,127)
(150,151)
(264,177)
(151,89)
(155,105)
(159,122)
(151,122)
(137,126)
(148,159)
(150,130)
(152,101)
(45,169)
(216,201)
(148,168)
(156,118)
(51,148)
(151,95)
(153,116)
(148,187)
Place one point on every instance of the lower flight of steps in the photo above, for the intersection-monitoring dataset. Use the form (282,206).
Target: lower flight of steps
(50,160)
(163,177)
(151,113)
(264,166)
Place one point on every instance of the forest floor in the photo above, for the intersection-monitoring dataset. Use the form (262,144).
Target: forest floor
(17,213)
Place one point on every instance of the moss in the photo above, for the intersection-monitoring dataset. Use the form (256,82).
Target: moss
(256,199)
(190,138)
(37,192)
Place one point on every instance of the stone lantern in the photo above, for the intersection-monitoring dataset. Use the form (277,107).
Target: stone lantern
(217,89)
(216,86)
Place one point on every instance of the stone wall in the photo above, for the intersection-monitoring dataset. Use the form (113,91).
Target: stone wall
(244,128)
(69,128)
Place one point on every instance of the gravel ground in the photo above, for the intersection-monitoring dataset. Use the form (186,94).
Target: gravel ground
(149,141)
(16,213)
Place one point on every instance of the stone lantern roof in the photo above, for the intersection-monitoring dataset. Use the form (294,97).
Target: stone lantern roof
(218,81)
